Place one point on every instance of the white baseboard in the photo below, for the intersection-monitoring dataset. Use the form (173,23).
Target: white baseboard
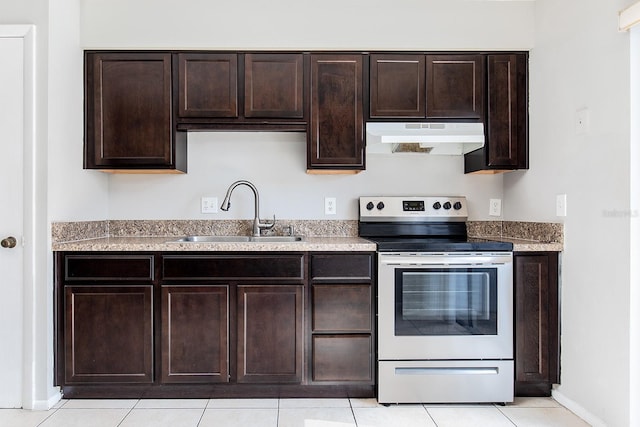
(577,409)
(45,405)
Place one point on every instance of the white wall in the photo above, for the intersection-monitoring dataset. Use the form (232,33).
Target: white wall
(74,194)
(276,162)
(580,60)
(295,24)
(634,254)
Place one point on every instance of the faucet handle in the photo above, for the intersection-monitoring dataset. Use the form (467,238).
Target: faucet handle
(290,230)
(267,225)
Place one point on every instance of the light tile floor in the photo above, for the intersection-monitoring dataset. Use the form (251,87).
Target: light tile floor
(524,412)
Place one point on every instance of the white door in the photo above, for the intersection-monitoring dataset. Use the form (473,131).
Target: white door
(11,220)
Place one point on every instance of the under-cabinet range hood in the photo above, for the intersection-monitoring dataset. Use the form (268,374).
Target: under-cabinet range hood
(427,138)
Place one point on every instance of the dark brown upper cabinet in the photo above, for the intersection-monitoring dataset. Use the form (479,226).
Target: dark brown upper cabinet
(397,86)
(273,85)
(208,84)
(129,122)
(455,86)
(247,91)
(427,86)
(335,135)
(507,123)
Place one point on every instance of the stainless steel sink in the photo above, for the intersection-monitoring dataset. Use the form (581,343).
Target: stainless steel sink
(238,239)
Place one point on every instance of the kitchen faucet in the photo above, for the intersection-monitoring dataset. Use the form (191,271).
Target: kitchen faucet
(257,225)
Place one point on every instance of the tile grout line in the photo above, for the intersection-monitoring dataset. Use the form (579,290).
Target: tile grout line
(127,414)
(278,413)
(48,416)
(353,413)
(505,415)
(429,415)
(204,410)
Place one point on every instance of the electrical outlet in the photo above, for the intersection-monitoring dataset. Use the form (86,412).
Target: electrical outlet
(495,207)
(330,206)
(209,205)
(561,205)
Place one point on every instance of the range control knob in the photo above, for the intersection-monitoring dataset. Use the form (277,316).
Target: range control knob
(369,206)
(447,205)
(437,205)
(457,206)
(380,206)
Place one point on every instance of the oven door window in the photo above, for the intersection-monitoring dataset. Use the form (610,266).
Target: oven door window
(447,301)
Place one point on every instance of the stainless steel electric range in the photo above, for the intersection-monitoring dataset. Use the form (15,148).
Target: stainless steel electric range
(445,303)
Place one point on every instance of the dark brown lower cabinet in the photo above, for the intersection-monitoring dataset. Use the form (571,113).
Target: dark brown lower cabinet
(342,334)
(212,324)
(108,334)
(270,334)
(537,345)
(190,353)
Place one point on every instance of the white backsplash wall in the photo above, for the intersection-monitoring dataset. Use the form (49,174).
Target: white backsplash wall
(276,164)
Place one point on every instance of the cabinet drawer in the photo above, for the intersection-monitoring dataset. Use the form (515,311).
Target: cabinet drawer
(341,266)
(251,267)
(108,267)
(342,358)
(341,308)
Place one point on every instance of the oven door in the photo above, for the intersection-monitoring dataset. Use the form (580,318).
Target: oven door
(451,306)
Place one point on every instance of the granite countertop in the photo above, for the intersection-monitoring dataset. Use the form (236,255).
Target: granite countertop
(168,244)
(319,235)
(525,236)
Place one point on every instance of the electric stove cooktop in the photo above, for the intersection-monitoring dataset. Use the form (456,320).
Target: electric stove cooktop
(420,224)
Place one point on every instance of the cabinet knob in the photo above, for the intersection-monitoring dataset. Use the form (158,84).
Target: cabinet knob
(8,242)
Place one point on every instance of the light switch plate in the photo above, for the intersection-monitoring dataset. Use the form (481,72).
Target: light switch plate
(582,121)
(561,205)
(209,205)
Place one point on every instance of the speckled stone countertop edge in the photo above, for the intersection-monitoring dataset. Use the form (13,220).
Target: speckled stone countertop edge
(169,244)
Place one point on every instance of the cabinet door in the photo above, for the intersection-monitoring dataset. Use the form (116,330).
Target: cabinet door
(397,86)
(270,334)
(536,323)
(208,84)
(128,110)
(108,334)
(455,86)
(195,334)
(273,85)
(507,128)
(335,136)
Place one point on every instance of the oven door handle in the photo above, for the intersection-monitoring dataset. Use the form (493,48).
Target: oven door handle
(447,260)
